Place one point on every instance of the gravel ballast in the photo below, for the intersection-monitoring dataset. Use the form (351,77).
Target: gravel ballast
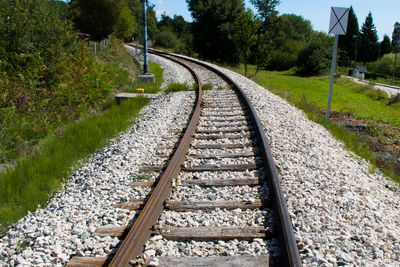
(66,227)
(342,214)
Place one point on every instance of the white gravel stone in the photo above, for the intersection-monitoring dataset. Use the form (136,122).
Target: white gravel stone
(331,193)
(66,226)
(341,212)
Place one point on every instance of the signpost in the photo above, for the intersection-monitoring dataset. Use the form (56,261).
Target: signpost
(337,26)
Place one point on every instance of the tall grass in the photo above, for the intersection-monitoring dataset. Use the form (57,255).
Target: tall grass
(149,88)
(37,177)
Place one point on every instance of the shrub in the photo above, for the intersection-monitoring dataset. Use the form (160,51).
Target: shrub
(315,58)
(166,39)
(385,65)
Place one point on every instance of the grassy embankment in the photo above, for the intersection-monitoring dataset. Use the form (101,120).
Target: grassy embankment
(68,143)
(369,107)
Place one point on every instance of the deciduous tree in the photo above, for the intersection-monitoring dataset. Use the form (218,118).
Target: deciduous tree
(292,34)
(100,18)
(266,34)
(212,28)
(246,27)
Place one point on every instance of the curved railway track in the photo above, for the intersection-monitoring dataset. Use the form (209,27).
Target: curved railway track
(222,149)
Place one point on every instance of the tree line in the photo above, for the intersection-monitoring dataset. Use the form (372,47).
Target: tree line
(226,32)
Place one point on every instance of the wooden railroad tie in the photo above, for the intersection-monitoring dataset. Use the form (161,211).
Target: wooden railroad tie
(211,168)
(203,233)
(202,205)
(206,182)
(223,261)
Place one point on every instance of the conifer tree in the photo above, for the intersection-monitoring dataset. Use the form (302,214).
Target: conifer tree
(369,46)
(350,40)
(385,47)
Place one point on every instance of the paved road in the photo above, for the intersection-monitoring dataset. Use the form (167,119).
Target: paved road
(389,89)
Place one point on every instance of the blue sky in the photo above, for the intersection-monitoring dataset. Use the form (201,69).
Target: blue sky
(384,12)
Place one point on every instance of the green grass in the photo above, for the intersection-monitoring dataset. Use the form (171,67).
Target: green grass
(86,83)
(347,96)
(382,114)
(37,177)
(149,88)
(177,87)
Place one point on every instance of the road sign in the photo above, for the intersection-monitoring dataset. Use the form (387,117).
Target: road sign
(337,26)
(339,19)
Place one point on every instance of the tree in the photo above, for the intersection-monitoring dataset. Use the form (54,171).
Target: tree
(315,58)
(35,39)
(212,28)
(369,46)
(349,42)
(291,35)
(100,18)
(385,47)
(245,28)
(136,8)
(265,39)
(267,11)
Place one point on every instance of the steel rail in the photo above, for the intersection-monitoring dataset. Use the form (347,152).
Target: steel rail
(140,232)
(286,233)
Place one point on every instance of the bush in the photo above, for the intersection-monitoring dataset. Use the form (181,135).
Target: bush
(315,58)
(166,39)
(46,77)
(385,65)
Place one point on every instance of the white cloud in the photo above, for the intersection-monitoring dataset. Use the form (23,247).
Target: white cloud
(160,2)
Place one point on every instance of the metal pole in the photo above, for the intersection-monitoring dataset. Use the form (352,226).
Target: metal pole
(394,66)
(333,66)
(145,63)
(396,42)
(355,53)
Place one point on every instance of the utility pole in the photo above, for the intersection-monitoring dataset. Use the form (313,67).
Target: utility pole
(396,27)
(355,36)
(146,76)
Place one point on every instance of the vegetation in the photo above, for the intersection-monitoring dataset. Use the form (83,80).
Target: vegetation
(315,58)
(46,76)
(212,28)
(101,18)
(293,33)
(174,34)
(349,43)
(176,87)
(56,99)
(36,177)
(384,67)
(379,135)
(369,46)
(246,27)
(149,88)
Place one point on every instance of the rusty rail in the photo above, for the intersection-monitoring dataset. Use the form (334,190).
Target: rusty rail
(140,232)
(286,233)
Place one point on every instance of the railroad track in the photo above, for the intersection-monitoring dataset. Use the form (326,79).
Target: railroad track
(219,171)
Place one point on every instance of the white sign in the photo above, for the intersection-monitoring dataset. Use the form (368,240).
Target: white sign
(339,19)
